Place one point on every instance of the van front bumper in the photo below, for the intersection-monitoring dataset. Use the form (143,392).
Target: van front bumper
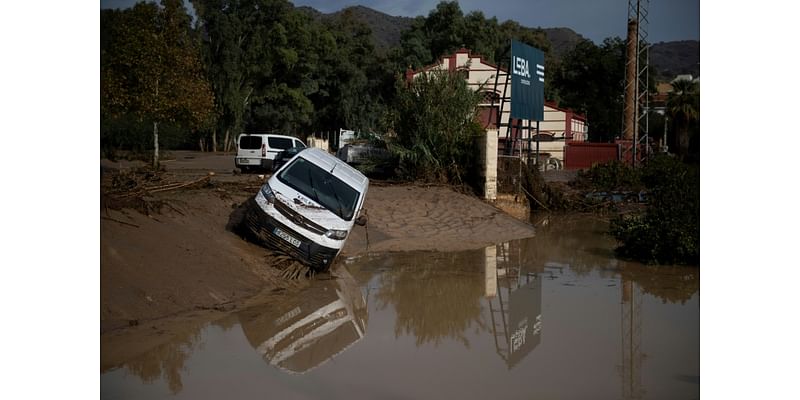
(263,228)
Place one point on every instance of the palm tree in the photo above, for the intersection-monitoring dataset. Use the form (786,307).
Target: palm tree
(683,106)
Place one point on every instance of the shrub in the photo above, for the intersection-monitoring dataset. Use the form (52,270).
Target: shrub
(437,134)
(669,230)
(610,176)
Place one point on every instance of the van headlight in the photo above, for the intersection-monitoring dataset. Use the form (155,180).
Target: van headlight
(336,234)
(266,191)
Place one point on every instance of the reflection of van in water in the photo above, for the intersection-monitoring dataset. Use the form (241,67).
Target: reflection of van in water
(308,207)
(259,150)
(311,328)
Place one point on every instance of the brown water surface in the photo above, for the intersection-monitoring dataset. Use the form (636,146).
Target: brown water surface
(554,316)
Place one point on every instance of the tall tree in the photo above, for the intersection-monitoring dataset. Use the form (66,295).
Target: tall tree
(442,31)
(446,29)
(151,68)
(590,81)
(262,60)
(415,49)
(350,76)
(281,96)
(683,106)
(482,35)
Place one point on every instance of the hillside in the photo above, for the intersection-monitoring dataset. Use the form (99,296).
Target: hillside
(673,58)
(562,40)
(668,59)
(386,29)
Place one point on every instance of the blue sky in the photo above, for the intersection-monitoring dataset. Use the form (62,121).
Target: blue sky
(594,19)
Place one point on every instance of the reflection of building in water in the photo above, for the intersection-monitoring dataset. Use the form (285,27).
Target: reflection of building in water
(631,330)
(311,328)
(515,304)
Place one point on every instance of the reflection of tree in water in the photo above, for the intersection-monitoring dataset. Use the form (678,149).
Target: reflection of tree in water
(580,241)
(673,284)
(167,361)
(583,243)
(435,296)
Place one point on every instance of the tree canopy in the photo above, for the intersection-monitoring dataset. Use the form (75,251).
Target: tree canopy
(447,29)
(590,80)
(151,68)
(274,68)
(683,108)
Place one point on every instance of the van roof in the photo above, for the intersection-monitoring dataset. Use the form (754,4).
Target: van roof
(268,134)
(337,167)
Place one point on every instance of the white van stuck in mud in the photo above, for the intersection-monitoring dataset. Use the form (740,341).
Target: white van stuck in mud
(308,207)
(255,150)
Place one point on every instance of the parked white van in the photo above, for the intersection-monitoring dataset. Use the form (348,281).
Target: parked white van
(255,150)
(308,207)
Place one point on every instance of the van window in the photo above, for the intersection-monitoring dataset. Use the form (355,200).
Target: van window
(279,143)
(320,186)
(299,144)
(250,142)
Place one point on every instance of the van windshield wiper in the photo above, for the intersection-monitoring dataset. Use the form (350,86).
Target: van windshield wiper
(311,182)
(338,201)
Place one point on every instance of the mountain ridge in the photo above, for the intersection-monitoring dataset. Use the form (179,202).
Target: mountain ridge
(667,58)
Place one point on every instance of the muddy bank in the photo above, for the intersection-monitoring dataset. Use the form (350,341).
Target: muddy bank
(412,217)
(179,258)
(184,256)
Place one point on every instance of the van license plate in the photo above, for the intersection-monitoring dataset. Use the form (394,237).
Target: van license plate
(243,161)
(285,236)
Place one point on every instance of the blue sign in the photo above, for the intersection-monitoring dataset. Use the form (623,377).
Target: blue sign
(527,82)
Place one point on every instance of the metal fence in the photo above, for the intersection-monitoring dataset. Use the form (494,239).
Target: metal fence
(580,155)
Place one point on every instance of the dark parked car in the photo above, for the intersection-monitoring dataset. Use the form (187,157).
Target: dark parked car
(284,156)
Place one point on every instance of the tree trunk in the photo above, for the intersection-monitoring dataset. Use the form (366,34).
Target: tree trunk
(155,145)
(202,144)
(683,141)
(214,140)
(226,145)
(155,134)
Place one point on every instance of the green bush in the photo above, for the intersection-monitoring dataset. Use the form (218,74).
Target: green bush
(610,176)
(129,135)
(669,230)
(437,134)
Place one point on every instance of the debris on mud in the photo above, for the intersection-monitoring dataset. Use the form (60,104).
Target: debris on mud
(134,188)
(516,177)
(290,268)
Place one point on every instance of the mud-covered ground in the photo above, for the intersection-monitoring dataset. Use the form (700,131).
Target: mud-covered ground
(171,254)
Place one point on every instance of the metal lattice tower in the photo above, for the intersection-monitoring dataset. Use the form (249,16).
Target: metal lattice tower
(637,75)
(632,355)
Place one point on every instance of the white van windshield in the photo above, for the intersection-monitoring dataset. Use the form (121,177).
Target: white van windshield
(320,186)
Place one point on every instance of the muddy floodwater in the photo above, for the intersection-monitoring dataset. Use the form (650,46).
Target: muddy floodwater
(554,316)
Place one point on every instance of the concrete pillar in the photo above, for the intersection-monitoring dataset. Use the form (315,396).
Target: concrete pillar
(490,268)
(489,160)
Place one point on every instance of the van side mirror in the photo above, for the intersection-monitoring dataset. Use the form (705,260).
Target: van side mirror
(361,220)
